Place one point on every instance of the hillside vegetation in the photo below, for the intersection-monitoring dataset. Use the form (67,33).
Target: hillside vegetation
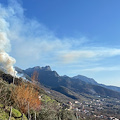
(30,100)
(24,100)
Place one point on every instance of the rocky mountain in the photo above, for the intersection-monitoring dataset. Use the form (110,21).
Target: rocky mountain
(85,79)
(68,86)
(92,81)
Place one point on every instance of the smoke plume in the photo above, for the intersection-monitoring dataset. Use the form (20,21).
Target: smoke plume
(6,61)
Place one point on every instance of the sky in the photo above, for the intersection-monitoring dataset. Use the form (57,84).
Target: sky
(71,36)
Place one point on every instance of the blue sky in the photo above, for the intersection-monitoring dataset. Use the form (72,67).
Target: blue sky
(73,37)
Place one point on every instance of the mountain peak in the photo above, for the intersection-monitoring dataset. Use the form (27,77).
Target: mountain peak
(46,68)
(85,79)
(37,67)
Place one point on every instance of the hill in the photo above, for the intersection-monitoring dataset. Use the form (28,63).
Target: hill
(50,109)
(58,102)
(77,84)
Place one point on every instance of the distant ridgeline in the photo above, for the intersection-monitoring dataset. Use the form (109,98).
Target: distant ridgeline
(66,85)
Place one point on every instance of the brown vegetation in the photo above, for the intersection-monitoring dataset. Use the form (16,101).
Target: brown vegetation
(26,97)
(34,77)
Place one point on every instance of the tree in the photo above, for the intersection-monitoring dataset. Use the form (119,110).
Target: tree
(34,77)
(26,98)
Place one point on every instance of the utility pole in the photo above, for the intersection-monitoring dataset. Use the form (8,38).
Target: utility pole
(10,113)
(35,115)
(28,111)
(11,106)
(14,78)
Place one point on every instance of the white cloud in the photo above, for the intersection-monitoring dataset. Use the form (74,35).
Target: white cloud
(88,54)
(98,69)
(73,56)
(32,40)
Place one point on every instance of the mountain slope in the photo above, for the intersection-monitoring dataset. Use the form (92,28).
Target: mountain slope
(53,80)
(85,79)
(92,81)
(111,87)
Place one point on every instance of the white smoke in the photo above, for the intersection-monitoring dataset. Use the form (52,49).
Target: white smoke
(6,61)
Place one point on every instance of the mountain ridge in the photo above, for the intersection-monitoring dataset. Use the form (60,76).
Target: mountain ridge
(53,80)
(92,81)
